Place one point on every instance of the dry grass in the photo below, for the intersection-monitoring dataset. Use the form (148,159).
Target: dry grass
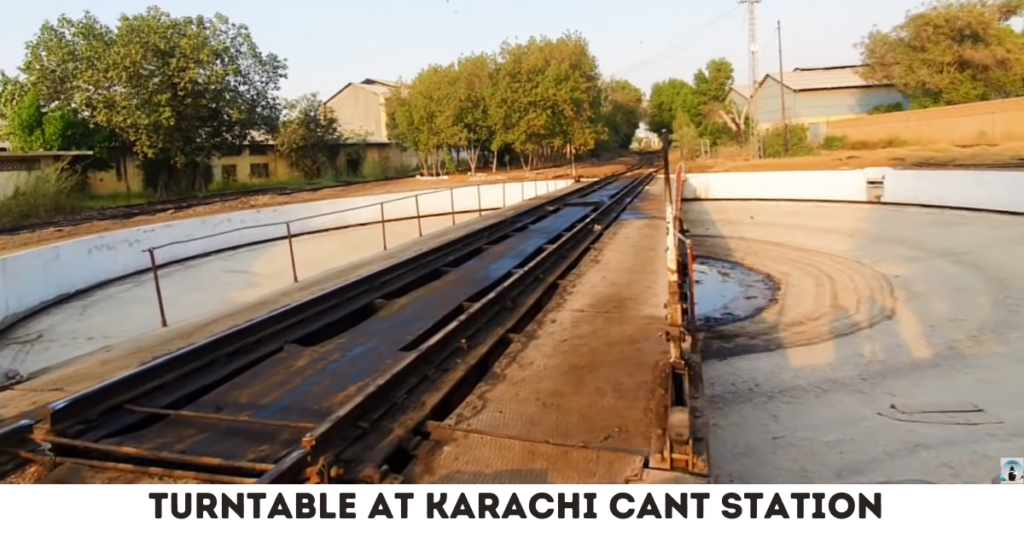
(908,156)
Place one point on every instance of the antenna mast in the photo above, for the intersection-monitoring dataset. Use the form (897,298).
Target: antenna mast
(754,135)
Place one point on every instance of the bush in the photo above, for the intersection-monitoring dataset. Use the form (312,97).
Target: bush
(773,142)
(887,108)
(42,196)
(834,142)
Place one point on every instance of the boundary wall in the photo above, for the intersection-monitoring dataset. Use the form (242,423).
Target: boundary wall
(32,279)
(961,189)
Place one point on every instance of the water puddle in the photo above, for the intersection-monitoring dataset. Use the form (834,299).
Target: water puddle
(728,292)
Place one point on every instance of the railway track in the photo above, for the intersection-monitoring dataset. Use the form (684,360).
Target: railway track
(337,388)
(154,208)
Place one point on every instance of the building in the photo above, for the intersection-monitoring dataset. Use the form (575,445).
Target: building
(815,95)
(360,108)
(18,168)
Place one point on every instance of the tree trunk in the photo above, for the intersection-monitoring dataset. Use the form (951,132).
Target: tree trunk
(572,159)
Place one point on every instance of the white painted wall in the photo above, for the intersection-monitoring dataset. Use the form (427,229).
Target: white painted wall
(985,190)
(994,190)
(838,185)
(33,278)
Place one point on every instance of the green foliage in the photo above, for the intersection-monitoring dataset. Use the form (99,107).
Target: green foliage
(886,108)
(540,99)
(774,141)
(685,137)
(704,101)
(951,52)
(834,142)
(623,108)
(175,90)
(308,136)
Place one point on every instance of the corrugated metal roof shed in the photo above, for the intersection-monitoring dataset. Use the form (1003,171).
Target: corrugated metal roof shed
(382,91)
(826,78)
(380,81)
(742,89)
(804,79)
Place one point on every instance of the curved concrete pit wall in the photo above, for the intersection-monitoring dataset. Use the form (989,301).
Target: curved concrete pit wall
(966,189)
(32,279)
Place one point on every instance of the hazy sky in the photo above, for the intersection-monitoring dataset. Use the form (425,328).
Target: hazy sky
(331,42)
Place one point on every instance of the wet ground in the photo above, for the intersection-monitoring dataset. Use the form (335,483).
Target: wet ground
(727,292)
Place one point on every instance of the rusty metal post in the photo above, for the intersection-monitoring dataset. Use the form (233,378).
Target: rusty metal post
(291,252)
(674,312)
(419,219)
(451,193)
(479,202)
(383,227)
(156,283)
(691,303)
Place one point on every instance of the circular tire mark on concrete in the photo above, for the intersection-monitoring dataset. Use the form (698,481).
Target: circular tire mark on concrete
(819,297)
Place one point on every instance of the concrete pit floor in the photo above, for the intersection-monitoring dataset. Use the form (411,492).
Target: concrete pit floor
(876,306)
(127,309)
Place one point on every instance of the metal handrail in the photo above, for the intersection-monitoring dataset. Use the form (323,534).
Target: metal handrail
(155,265)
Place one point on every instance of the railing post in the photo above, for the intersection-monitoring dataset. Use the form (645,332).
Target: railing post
(419,219)
(479,202)
(503,185)
(156,283)
(451,195)
(291,252)
(522,190)
(383,227)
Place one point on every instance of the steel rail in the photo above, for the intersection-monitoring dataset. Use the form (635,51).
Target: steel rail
(455,350)
(235,350)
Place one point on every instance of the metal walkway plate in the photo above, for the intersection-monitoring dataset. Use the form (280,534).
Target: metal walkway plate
(584,374)
(306,384)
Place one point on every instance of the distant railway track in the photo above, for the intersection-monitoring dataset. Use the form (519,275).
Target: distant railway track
(154,208)
(337,387)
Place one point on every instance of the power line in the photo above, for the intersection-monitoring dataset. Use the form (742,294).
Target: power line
(679,46)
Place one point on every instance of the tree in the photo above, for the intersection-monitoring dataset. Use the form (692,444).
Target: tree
(473,126)
(542,100)
(668,99)
(704,101)
(951,52)
(176,90)
(623,105)
(27,126)
(307,136)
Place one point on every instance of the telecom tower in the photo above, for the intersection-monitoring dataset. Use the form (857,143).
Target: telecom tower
(754,135)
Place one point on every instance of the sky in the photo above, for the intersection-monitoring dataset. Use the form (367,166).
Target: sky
(329,43)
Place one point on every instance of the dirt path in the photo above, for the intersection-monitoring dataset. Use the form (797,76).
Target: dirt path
(22,241)
(911,156)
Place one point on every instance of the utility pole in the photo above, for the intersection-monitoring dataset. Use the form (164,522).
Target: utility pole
(782,93)
(755,136)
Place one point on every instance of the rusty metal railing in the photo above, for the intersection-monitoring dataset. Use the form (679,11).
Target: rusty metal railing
(289,234)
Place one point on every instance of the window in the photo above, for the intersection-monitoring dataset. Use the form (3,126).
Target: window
(259,170)
(228,172)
